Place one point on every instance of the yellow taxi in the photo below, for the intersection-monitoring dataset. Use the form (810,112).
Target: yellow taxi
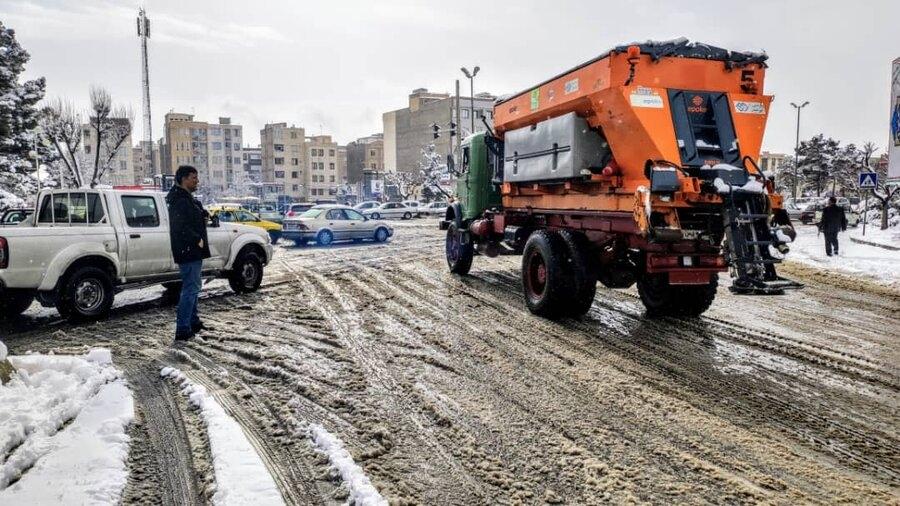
(231,214)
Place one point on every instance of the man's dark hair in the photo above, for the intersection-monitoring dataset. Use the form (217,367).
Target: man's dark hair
(183,172)
(832,201)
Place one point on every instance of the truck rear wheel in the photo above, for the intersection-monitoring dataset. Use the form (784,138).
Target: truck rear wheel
(547,277)
(459,255)
(663,299)
(14,302)
(584,272)
(86,295)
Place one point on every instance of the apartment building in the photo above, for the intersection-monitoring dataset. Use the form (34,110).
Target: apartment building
(309,168)
(213,148)
(252,161)
(365,154)
(284,156)
(120,169)
(407,131)
(771,161)
(143,168)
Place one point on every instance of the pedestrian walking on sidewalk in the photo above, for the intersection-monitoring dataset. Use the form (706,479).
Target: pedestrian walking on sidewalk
(187,231)
(834,220)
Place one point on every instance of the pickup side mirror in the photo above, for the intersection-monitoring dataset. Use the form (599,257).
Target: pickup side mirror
(214,221)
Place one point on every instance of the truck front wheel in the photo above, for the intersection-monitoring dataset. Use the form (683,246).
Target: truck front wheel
(459,255)
(246,273)
(663,299)
(14,302)
(547,277)
(86,295)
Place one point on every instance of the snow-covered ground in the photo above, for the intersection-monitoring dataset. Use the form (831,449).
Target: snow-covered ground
(361,490)
(63,422)
(877,264)
(241,476)
(890,236)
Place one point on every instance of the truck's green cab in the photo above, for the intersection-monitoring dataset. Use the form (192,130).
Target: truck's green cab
(478,185)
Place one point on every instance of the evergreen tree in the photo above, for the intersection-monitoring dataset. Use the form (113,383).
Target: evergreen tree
(18,120)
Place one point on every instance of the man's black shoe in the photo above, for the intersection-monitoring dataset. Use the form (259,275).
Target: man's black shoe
(183,336)
(200,326)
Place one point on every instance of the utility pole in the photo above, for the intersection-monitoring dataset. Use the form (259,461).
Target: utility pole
(471,77)
(37,163)
(797,148)
(143,31)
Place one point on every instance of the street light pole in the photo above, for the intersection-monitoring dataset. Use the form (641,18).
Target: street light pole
(797,147)
(471,77)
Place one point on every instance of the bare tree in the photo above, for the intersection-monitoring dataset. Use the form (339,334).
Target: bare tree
(61,126)
(111,127)
(406,183)
(434,169)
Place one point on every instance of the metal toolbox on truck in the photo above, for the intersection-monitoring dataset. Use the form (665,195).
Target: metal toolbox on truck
(564,147)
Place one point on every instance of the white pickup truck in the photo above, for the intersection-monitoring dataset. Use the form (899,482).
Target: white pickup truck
(83,246)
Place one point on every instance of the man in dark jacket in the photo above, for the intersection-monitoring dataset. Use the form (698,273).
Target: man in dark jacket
(187,231)
(834,220)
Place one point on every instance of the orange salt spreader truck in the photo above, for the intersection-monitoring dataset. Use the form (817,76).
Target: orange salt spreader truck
(635,167)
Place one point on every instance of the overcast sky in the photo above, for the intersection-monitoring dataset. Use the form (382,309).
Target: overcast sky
(335,66)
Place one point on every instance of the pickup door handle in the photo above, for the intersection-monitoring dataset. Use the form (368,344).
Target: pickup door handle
(135,236)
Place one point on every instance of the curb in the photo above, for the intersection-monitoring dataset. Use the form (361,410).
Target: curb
(876,244)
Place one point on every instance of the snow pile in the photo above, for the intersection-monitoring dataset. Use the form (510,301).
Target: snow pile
(781,236)
(877,264)
(362,492)
(63,430)
(241,476)
(752,186)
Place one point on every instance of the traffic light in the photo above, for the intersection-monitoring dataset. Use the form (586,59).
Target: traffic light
(452,129)
(436,129)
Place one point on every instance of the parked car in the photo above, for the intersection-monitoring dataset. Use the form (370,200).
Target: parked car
(369,204)
(390,210)
(434,209)
(270,213)
(415,205)
(86,245)
(853,217)
(331,222)
(238,215)
(13,217)
(297,209)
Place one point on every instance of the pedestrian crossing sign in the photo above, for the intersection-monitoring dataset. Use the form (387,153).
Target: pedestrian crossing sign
(868,180)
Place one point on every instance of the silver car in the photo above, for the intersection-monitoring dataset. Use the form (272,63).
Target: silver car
(434,209)
(391,210)
(327,223)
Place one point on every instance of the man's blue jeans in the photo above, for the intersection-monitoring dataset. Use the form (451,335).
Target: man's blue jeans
(190,292)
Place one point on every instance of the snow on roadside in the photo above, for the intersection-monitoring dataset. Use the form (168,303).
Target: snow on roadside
(63,429)
(876,264)
(241,476)
(362,492)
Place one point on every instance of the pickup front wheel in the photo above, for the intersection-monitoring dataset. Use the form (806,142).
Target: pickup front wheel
(86,295)
(246,274)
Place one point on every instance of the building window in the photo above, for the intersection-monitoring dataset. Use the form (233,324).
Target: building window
(295,161)
(321,152)
(123,165)
(279,161)
(237,131)
(215,131)
(331,166)
(374,166)
(464,113)
(296,187)
(294,174)
(293,136)
(331,179)
(237,159)
(330,152)
(217,146)
(372,153)
(87,148)
(279,147)
(279,174)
